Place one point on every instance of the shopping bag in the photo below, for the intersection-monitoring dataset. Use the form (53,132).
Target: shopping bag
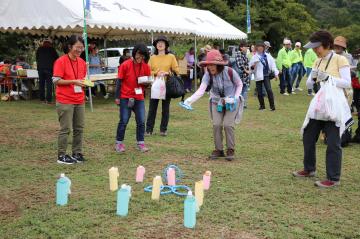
(158,89)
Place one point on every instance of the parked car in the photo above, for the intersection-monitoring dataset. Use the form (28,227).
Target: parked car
(113,56)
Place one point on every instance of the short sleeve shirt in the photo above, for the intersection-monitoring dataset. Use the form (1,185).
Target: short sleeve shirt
(129,72)
(335,64)
(68,69)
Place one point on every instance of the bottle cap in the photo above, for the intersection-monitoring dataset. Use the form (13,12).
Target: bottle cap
(124,186)
(62,175)
(189,193)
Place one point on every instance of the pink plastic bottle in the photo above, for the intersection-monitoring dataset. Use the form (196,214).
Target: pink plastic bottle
(140,171)
(171,177)
(206,180)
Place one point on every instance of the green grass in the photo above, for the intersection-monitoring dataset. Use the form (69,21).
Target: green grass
(253,197)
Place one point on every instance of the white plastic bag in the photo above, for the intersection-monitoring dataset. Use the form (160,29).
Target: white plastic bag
(158,89)
(329,104)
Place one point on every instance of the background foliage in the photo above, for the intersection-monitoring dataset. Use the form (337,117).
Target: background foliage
(271,20)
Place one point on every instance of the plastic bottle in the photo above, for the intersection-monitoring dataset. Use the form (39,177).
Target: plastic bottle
(155,194)
(199,194)
(62,190)
(140,171)
(190,211)
(171,177)
(113,178)
(123,198)
(206,180)
(128,187)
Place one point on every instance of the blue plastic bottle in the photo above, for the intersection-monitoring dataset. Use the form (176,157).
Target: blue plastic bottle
(190,211)
(123,198)
(62,190)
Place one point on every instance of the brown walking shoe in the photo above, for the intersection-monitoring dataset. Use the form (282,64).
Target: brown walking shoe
(217,154)
(230,154)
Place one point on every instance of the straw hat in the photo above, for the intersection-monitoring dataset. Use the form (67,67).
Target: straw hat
(208,48)
(340,41)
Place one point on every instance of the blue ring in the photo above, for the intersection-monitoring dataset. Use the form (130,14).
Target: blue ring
(178,173)
(175,188)
(169,191)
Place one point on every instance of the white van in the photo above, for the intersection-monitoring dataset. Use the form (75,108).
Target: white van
(113,56)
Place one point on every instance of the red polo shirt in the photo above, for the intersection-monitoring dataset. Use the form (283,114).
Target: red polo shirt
(68,69)
(129,71)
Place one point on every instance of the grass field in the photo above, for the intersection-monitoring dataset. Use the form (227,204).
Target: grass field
(254,196)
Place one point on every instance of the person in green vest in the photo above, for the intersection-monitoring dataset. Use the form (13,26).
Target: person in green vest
(309,59)
(283,63)
(297,66)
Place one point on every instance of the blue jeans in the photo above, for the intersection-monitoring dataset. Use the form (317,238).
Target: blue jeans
(125,114)
(244,93)
(285,81)
(297,72)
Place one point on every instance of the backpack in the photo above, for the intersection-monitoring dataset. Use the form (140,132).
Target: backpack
(230,72)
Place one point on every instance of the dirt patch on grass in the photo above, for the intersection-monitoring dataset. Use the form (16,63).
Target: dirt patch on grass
(8,209)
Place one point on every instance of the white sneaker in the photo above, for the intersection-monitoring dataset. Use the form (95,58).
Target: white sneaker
(298,89)
(286,94)
(293,90)
(106,96)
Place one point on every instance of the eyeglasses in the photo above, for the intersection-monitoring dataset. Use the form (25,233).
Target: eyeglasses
(79,48)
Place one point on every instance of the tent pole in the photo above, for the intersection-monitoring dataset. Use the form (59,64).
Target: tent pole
(105,54)
(195,63)
(224,44)
(152,37)
(87,50)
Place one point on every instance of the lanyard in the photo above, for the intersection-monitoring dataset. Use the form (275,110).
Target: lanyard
(327,62)
(137,75)
(77,68)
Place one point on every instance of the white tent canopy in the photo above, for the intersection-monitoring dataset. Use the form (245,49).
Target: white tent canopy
(113,19)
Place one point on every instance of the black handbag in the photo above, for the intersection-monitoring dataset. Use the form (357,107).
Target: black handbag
(174,86)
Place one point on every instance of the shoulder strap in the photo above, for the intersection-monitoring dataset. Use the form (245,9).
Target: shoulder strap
(230,72)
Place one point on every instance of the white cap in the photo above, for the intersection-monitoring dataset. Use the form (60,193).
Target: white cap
(287,41)
(62,175)
(190,193)
(298,44)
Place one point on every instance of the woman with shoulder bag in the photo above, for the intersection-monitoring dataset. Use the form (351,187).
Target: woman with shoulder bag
(225,89)
(335,69)
(263,66)
(161,64)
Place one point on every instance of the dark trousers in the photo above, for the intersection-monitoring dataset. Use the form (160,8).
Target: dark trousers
(125,114)
(270,94)
(152,115)
(45,81)
(333,151)
(285,81)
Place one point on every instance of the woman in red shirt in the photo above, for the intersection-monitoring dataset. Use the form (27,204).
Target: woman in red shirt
(131,96)
(69,74)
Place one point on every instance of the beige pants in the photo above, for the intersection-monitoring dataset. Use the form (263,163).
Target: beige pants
(226,120)
(70,117)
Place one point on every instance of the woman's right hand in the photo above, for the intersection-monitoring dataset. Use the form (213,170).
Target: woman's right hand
(79,83)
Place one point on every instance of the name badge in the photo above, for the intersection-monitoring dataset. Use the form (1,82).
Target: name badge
(77,89)
(138,91)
